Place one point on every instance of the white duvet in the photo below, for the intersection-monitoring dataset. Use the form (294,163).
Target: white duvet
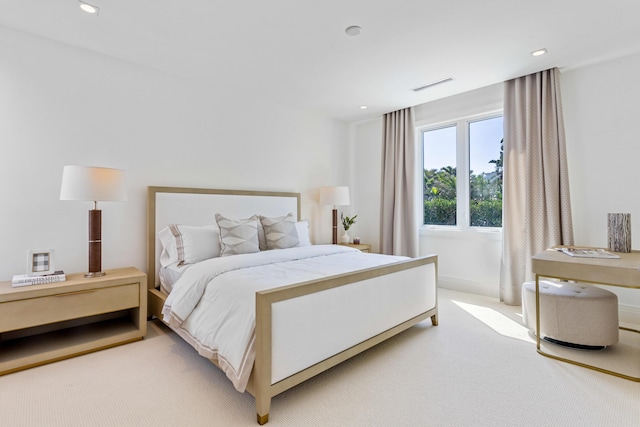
(212,305)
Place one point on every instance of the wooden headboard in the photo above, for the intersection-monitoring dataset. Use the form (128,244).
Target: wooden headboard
(198,206)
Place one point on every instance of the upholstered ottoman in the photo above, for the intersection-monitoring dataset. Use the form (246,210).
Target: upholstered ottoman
(573,314)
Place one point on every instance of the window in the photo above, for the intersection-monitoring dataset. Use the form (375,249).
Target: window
(440,189)
(472,149)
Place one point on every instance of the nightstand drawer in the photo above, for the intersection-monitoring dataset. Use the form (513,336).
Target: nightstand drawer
(66,306)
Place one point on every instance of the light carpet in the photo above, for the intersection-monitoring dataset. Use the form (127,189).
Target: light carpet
(479,367)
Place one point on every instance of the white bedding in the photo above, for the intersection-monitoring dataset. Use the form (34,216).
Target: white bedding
(170,275)
(212,305)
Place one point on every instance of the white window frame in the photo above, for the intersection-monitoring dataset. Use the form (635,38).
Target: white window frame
(462,170)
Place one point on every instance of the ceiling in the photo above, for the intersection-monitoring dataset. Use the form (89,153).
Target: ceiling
(296,52)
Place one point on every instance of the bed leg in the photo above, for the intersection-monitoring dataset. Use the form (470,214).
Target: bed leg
(263,419)
(434,320)
(262,409)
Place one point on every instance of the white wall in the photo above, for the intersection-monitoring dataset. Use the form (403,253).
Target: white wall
(467,260)
(601,109)
(61,105)
(365,181)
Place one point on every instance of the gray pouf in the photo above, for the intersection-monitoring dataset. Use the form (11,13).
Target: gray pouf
(572,313)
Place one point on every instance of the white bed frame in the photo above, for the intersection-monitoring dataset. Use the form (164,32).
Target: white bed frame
(415,279)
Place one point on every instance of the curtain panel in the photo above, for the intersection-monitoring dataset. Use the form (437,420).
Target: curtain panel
(536,202)
(399,219)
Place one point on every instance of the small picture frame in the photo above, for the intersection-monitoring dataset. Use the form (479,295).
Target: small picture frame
(41,262)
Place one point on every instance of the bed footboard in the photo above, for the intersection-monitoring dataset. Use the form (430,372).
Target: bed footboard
(367,307)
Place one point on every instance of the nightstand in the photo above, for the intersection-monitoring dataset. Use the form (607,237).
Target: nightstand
(362,246)
(45,323)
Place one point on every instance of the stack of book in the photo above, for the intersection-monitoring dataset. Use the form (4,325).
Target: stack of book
(26,280)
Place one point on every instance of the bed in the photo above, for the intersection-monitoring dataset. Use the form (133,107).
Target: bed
(299,309)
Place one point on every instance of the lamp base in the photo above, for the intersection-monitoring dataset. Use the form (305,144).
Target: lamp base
(334,226)
(95,244)
(94,274)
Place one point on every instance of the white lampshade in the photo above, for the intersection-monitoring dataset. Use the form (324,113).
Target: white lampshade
(93,184)
(336,196)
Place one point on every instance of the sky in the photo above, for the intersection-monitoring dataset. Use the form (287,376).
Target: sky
(485,136)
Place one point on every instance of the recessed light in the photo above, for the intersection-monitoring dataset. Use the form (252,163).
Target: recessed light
(539,52)
(89,8)
(353,30)
(363,107)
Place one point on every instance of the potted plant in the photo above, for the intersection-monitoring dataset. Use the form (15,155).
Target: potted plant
(347,222)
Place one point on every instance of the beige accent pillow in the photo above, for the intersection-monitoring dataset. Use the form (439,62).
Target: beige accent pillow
(280,232)
(238,236)
(262,239)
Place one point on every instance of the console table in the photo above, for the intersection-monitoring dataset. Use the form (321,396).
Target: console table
(623,272)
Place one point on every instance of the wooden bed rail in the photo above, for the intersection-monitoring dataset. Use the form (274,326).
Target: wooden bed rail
(261,386)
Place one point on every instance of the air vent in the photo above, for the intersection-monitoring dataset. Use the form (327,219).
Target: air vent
(432,84)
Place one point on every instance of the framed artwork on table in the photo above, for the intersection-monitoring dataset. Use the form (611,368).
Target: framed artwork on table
(40,262)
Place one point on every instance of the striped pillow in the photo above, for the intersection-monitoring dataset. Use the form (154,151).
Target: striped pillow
(187,244)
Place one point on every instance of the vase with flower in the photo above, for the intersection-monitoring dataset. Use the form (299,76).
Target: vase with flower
(347,222)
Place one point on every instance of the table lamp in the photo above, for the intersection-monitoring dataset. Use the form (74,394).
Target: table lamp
(336,196)
(93,184)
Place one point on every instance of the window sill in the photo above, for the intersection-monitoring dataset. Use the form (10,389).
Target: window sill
(456,232)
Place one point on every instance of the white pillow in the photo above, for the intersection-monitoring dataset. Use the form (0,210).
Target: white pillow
(169,253)
(188,244)
(280,232)
(302,227)
(238,236)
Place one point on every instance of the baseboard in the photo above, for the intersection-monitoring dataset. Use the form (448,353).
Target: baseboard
(629,315)
(469,286)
